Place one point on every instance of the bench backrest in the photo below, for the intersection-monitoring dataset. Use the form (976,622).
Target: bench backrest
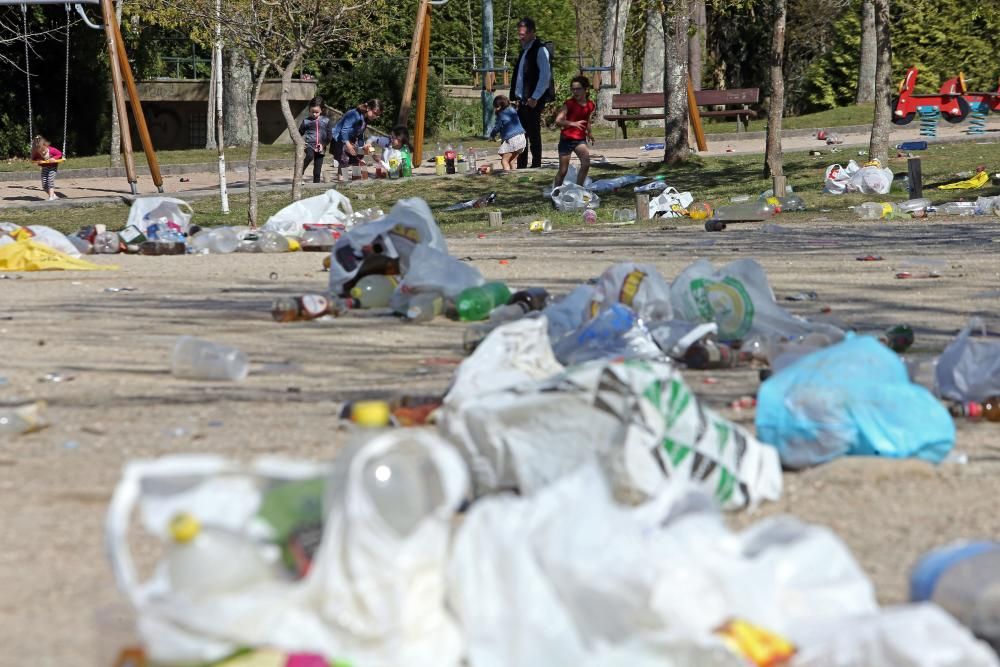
(703,97)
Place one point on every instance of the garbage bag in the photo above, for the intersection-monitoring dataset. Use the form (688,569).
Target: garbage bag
(670,203)
(565,315)
(553,578)
(637,417)
(638,286)
(969,368)
(30,255)
(373,595)
(148,210)
(871,179)
(738,298)
(606,185)
(330,208)
(853,398)
(10,233)
(837,177)
(389,239)
(572,197)
(674,337)
(430,270)
(616,333)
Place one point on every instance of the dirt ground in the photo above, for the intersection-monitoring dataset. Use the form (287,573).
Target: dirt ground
(117,401)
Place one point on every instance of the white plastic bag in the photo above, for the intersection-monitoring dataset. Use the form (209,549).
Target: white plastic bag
(969,368)
(572,197)
(871,180)
(637,417)
(430,270)
(836,178)
(148,210)
(638,286)
(667,202)
(394,236)
(372,596)
(54,239)
(571,176)
(330,209)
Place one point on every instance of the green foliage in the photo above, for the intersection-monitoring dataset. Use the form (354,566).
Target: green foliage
(382,78)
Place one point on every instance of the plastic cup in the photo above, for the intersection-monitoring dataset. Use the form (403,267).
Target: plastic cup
(198,359)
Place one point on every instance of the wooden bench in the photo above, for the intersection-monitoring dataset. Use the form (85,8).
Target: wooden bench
(705,98)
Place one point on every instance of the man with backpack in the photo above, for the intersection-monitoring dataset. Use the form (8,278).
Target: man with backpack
(532,86)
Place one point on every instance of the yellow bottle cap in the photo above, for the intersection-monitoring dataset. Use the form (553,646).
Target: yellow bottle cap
(356,292)
(184,527)
(370,413)
(294,245)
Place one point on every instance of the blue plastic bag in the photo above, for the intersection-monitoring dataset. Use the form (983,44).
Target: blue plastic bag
(852,398)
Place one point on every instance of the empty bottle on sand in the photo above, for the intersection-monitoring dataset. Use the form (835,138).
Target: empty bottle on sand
(306,307)
(871,210)
(374,291)
(205,560)
(424,307)
(476,303)
(745,212)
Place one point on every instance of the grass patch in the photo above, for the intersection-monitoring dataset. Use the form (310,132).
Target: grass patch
(519,195)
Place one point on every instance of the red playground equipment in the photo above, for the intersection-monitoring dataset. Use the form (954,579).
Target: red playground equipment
(990,101)
(949,100)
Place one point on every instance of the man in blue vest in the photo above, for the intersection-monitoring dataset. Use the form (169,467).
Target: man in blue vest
(532,87)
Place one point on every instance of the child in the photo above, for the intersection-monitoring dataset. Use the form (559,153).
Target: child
(391,146)
(48,157)
(315,130)
(574,119)
(349,134)
(508,126)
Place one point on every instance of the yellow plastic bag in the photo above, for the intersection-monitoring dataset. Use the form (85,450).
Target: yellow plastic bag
(979,180)
(28,255)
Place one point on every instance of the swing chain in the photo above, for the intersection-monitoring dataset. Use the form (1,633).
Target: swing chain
(27,74)
(66,89)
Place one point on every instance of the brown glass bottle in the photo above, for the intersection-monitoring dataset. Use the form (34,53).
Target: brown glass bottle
(306,307)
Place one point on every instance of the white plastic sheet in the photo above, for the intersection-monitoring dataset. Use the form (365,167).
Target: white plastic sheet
(330,208)
(969,368)
(148,210)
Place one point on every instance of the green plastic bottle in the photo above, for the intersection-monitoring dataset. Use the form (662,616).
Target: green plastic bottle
(475,303)
(406,167)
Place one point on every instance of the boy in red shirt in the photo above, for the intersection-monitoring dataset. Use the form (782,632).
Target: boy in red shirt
(574,119)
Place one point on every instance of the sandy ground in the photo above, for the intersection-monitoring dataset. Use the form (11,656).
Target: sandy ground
(118,402)
(28,191)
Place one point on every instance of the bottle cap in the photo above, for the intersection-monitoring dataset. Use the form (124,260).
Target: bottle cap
(370,413)
(184,527)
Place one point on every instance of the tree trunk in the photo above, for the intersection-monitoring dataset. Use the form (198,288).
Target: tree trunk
(293,129)
(612,55)
(254,145)
(237,91)
(652,62)
(696,42)
(210,116)
(676,17)
(866,69)
(878,147)
(116,130)
(773,158)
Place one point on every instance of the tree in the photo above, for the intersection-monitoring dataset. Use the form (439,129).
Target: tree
(696,42)
(652,59)
(866,59)
(676,18)
(116,130)
(773,157)
(237,90)
(878,147)
(612,54)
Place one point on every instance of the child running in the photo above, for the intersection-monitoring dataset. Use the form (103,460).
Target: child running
(508,126)
(574,119)
(48,157)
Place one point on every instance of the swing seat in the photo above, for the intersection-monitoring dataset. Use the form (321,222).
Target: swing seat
(599,69)
(44,163)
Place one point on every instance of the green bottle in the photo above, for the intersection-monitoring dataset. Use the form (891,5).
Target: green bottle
(475,303)
(406,167)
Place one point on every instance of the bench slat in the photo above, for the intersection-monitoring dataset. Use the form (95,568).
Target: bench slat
(702,97)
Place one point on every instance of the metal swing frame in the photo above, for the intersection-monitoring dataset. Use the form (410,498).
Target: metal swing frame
(122,80)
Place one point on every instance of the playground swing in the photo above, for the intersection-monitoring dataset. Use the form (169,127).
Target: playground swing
(595,72)
(27,74)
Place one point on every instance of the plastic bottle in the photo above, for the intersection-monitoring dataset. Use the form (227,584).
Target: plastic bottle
(707,353)
(439,167)
(475,303)
(424,307)
(163,247)
(871,210)
(306,307)
(197,359)
(964,579)
(83,245)
(700,210)
(203,560)
(655,186)
(107,243)
(914,207)
(589,216)
(374,291)
(220,240)
(272,242)
(745,212)
(988,409)
(898,338)
(534,298)
(957,208)
(317,240)
(792,202)
(406,167)
(912,146)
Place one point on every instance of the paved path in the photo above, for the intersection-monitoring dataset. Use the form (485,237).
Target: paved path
(84,188)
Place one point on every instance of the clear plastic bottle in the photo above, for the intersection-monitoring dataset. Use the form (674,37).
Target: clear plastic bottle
(590,216)
(272,242)
(218,240)
(404,485)
(306,307)
(914,207)
(83,245)
(107,243)
(957,208)
(204,560)
(374,291)
(317,240)
(655,186)
(745,212)
(792,202)
(871,210)
(424,307)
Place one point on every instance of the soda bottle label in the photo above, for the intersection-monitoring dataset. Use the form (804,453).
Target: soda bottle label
(314,305)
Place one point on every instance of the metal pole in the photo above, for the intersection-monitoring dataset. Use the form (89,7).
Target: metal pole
(116,91)
(219,135)
(489,77)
